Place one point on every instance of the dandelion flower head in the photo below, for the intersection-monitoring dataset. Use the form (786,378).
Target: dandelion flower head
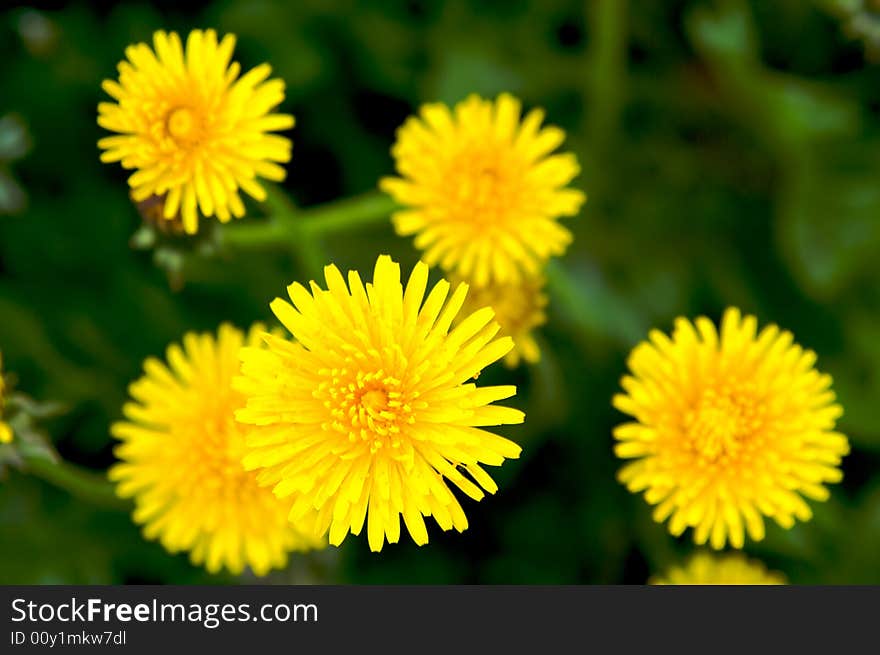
(730,426)
(194,131)
(482,190)
(729,569)
(519,311)
(180,459)
(373,408)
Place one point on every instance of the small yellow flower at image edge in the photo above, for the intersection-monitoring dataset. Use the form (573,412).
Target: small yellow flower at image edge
(372,410)
(724,569)
(5,429)
(730,426)
(180,459)
(481,189)
(195,131)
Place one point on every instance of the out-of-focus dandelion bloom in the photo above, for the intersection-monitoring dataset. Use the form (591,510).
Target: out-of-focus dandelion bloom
(373,409)
(519,310)
(482,191)
(180,458)
(729,569)
(5,428)
(730,427)
(196,132)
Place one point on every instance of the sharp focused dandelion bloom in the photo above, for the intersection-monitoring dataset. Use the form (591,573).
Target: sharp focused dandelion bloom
(730,427)
(195,131)
(730,569)
(181,461)
(482,189)
(5,428)
(519,310)
(373,409)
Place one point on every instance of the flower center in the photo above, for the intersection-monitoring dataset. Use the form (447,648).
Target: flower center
(217,446)
(183,126)
(483,187)
(370,407)
(375,402)
(723,421)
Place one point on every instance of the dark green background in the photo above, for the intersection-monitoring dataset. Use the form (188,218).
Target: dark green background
(731,155)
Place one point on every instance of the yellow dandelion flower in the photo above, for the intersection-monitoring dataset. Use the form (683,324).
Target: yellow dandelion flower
(180,458)
(196,132)
(5,428)
(730,569)
(365,415)
(730,427)
(519,310)
(482,190)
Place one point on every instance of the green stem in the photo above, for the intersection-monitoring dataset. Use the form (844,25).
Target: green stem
(77,481)
(608,64)
(279,204)
(366,209)
(288,225)
(311,254)
(255,235)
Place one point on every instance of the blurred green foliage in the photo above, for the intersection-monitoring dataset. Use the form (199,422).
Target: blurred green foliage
(730,151)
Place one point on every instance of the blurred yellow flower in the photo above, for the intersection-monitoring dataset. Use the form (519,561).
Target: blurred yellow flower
(728,428)
(519,310)
(373,406)
(196,132)
(482,190)
(181,461)
(730,569)
(5,428)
